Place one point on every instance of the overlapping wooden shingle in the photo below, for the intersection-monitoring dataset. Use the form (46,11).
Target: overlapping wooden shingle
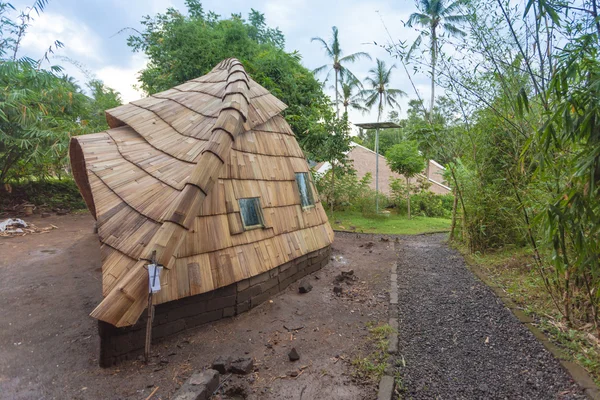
(167,177)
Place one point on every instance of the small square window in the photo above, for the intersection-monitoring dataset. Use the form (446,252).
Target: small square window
(306,195)
(251,213)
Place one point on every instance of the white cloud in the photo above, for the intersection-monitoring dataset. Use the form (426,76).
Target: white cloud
(123,78)
(284,13)
(79,40)
(144,7)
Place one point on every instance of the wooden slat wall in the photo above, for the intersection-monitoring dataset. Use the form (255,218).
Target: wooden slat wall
(138,170)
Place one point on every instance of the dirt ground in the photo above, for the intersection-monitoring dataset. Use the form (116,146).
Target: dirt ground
(48,344)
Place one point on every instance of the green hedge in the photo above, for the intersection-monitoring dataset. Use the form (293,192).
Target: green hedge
(49,194)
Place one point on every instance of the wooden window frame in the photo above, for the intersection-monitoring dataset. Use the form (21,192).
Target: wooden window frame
(259,213)
(308,188)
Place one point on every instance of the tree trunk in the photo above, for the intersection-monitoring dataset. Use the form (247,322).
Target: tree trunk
(337,104)
(454,205)
(332,186)
(377,160)
(433,61)
(408,196)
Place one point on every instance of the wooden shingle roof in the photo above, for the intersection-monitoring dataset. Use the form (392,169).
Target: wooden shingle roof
(166,177)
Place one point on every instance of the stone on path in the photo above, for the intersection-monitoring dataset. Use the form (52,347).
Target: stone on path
(293,355)
(222,364)
(304,286)
(200,386)
(242,366)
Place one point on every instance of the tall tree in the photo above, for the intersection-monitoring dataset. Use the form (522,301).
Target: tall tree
(39,108)
(350,95)
(380,92)
(436,18)
(180,48)
(405,159)
(329,141)
(338,62)
(378,89)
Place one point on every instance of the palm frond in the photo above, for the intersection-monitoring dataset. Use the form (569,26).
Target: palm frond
(425,5)
(371,98)
(386,76)
(415,45)
(335,42)
(453,30)
(324,44)
(345,73)
(397,93)
(320,69)
(419,19)
(354,57)
(454,7)
(457,18)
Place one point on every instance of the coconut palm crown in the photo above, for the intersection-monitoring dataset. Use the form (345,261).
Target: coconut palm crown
(436,17)
(350,95)
(338,62)
(378,90)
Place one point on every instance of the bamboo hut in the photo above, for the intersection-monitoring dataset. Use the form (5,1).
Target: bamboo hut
(209,177)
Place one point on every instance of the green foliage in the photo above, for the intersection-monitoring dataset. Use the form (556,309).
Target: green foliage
(329,141)
(405,159)
(350,95)
(372,366)
(436,17)
(570,165)
(50,194)
(39,109)
(524,157)
(338,63)
(424,203)
(378,89)
(180,48)
(351,193)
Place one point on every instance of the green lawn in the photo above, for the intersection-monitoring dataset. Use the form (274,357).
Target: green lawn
(394,224)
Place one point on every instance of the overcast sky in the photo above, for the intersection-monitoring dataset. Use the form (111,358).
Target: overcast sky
(89,31)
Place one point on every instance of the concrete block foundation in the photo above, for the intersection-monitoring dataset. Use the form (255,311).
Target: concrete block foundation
(117,344)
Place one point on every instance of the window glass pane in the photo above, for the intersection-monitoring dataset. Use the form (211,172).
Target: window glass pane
(250,210)
(306,197)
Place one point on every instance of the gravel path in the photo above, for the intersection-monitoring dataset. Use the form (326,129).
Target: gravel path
(458,340)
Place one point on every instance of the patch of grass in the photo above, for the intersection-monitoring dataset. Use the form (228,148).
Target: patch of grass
(399,385)
(353,221)
(371,367)
(514,271)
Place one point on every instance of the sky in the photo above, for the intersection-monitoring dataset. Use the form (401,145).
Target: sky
(94,34)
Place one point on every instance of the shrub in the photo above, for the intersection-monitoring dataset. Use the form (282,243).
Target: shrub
(49,194)
(423,202)
(351,193)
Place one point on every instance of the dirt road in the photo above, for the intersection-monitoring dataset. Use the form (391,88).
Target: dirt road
(49,345)
(458,340)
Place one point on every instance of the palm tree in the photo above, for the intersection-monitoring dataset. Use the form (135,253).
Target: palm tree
(338,62)
(436,17)
(380,93)
(348,97)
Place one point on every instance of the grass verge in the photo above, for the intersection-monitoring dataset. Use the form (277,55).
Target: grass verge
(371,367)
(353,221)
(513,271)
